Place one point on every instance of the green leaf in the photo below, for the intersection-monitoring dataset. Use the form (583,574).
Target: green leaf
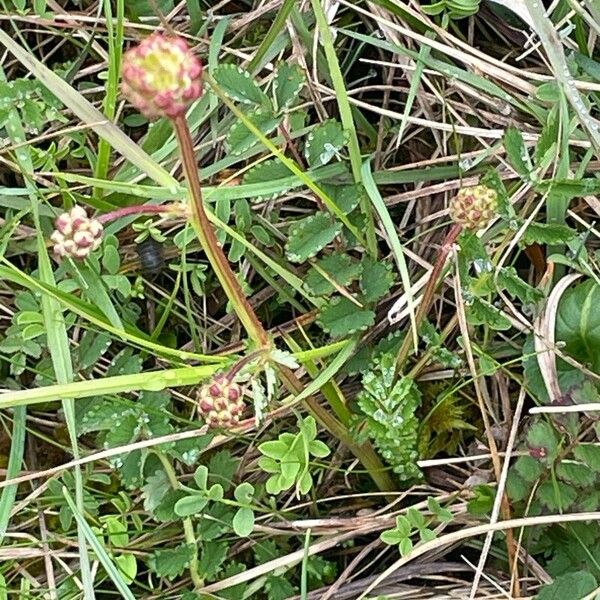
(274,449)
(190,505)
(240,138)
(588,454)
(427,535)
(509,280)
(279,588)
(392,537)
(269,171)
(405,547)
(172,562)
(111,260)
(529,468)
(243,522)
(127,565)
(342,317)
(578,323)
(543,439)
(480,312)
(573,586)
(288,82)
(201,477)
(557,496)
(416,518)
(376,278)
(516,151)
(547,233)
(306,482)
(212,556)
(222,467)
(243,493)
(91,347)
(310,235)
(339,267)
(116,532)
(324,142)
(577,474)
(483,501)
(157,485)
(319,449)
(238,84)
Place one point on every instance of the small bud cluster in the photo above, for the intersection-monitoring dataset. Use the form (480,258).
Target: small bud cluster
(221,402)
(161,76)
(474,207)
(76,235)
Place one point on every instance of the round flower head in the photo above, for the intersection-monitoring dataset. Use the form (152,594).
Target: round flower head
(221,402)
(76,235)
(474,207)
(161,76)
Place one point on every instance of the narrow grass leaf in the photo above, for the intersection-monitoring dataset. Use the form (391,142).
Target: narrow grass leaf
(109,566)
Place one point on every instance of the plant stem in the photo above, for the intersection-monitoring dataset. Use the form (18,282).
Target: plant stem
(208,239)
(141,209)
(188,527)
(365,453)
(429,292)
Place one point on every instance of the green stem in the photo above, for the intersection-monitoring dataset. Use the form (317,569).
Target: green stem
(209,242)
(188,527)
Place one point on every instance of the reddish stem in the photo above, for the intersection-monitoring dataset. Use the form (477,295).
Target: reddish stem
(140,209)
(429,292)
(208,239)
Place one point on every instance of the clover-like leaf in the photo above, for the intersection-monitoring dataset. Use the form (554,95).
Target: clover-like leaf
(243,522)
(243,493)
(190,505)
(342,317)
(310,235)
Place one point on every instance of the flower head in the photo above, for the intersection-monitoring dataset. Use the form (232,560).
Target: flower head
(161,76)
(221,402)
(76,235)
(474,207)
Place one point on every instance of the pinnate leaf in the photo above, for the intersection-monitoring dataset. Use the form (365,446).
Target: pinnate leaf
(289,80)
(238,84)
(171,563)
(310,235)
(240,138)
(323,143)
(342,317)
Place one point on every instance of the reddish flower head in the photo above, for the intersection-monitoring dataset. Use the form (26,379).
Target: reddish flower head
(220,402)
(76,235)
(474,207)
(161,76)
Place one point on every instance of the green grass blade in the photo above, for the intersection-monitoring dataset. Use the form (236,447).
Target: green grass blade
(152,381)
(337,79)
(115,50)
(393,239)
(15,460)
(276,28)
(98,549)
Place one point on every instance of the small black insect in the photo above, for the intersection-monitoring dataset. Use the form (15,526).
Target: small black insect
(152,257)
